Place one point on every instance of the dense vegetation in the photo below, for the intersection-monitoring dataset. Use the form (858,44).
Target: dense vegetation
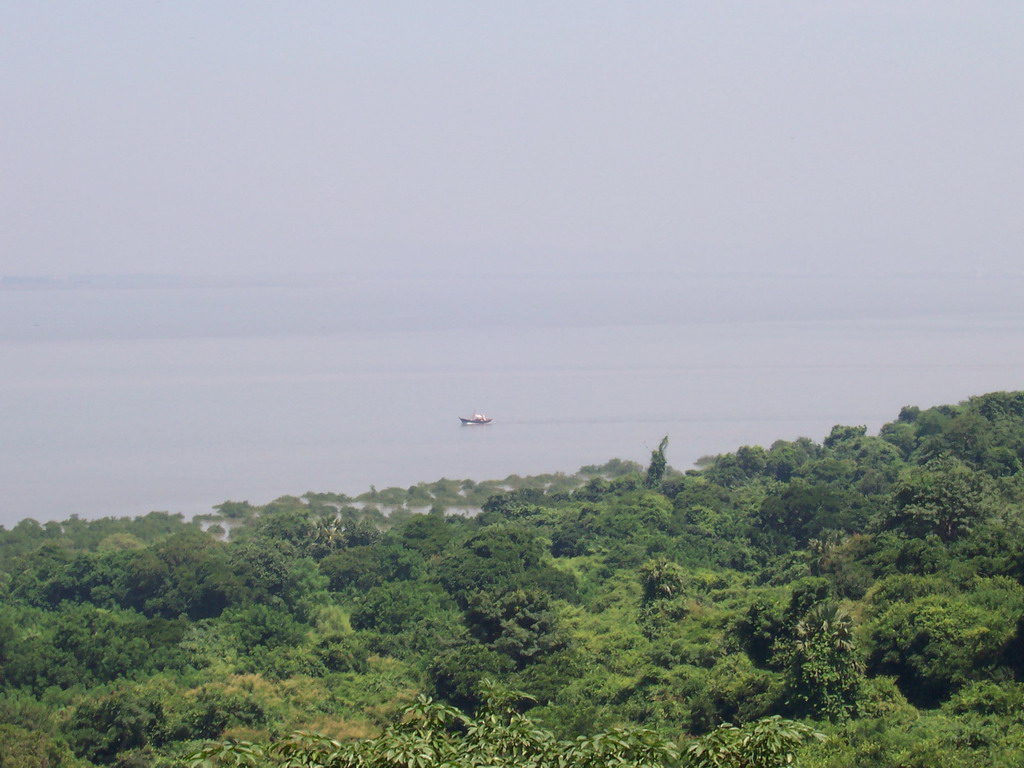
(853,602)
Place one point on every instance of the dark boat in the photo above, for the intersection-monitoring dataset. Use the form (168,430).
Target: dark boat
(478,418)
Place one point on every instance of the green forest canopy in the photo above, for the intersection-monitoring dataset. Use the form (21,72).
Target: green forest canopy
(857,601)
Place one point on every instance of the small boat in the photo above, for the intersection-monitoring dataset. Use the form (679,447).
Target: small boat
(478,418)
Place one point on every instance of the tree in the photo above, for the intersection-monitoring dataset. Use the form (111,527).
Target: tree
(99,645)
(261,625)
(937,643)
(785,457)
(802,511)
(187,573)
(499,558)
(662,579)
(944,497)
(22,748)
(841,434)
(656,469)
(399,606)
(128,718)
(824,670)
(455,672)
(520,623)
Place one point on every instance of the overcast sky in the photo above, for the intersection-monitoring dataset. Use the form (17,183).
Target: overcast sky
(237,137)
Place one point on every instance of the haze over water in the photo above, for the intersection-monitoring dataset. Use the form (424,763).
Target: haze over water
(598,222)
(123,397)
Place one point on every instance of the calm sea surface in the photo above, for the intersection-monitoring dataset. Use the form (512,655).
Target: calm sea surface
(122,400)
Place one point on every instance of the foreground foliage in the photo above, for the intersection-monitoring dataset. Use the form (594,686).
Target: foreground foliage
(433,734)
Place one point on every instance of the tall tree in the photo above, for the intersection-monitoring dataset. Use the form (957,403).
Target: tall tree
(656,469)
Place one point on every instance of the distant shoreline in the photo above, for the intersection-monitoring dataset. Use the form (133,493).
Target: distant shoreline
(28,282)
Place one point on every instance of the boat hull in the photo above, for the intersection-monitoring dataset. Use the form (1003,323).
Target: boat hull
(471,422)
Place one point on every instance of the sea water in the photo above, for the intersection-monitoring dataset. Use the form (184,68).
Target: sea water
(118,399)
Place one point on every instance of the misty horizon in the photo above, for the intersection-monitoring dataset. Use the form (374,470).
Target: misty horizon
(748,138)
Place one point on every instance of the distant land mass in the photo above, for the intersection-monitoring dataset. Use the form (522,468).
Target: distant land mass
(171,280)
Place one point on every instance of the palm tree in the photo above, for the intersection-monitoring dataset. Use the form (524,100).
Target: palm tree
(824,672)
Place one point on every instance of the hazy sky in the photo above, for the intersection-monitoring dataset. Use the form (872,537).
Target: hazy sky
(229,137)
